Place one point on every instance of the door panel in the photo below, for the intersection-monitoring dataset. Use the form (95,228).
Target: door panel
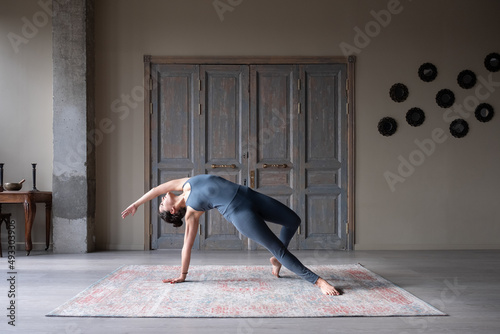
(324,157)
(224,132)
(174,144)
(261,126)
(273,153)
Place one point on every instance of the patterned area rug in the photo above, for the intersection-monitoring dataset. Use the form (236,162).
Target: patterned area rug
(241,291)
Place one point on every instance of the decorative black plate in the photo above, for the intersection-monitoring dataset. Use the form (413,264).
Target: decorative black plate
(492,62)
(484,112)
(398,92)
(427,72)
(387,126)
(466,79)
(459,128)
(415,116)
(445,98)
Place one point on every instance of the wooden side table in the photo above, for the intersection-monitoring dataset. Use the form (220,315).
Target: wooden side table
(29,199)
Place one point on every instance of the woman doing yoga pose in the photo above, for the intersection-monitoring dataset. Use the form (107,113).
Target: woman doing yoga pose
(245,208)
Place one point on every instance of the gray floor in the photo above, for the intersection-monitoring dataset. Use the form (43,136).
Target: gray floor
(463,284)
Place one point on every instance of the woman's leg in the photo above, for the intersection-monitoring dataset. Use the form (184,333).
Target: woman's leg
(249,218)
(254,227)
(274,211)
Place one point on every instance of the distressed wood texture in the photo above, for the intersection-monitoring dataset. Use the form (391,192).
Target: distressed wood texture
(174,138)
(323,158)
(278,128)
(273,153)
(224,136)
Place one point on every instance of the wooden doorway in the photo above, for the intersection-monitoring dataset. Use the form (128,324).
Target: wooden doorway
(281,126)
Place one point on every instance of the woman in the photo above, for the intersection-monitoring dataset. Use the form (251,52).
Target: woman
(246,209)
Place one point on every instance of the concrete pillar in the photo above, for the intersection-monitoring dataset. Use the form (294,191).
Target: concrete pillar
(73,183)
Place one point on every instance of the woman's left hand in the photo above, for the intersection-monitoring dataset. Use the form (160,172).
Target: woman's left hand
(179,279)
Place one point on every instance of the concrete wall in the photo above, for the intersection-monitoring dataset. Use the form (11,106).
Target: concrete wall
(73,186)
(448,197)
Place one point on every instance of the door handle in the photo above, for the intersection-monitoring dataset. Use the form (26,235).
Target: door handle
(224,166)
(275,165)
(252,179)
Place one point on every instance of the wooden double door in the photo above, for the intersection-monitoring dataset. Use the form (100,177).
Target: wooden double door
(279,129)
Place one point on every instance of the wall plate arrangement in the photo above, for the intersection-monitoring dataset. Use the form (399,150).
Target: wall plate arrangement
(459,128)
(399,92)
(492,62)
(427,72)
(387,126)
(484,112)
(466,79)
(445,98)
(415,116)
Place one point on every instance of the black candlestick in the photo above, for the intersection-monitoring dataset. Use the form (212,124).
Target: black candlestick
(1,177)
(34,177)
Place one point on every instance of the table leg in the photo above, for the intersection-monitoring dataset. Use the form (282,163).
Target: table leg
(48,210)
(29,217)
(1,221)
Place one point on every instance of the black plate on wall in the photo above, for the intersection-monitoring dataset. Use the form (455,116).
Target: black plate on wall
(484,112)
(492,62)
(466,79)
(427,72)
(459,128)
(399,92)
(445,98)
(387,126)
(415,116)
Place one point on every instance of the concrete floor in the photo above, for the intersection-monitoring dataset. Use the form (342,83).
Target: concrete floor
(463,284)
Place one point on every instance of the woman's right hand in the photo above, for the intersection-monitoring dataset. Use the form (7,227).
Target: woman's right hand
(129,211)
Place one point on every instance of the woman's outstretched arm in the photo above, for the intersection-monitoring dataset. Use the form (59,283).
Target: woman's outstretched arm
(192,222)
(173,185)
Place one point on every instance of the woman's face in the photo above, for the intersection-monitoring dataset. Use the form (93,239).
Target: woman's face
(167,203)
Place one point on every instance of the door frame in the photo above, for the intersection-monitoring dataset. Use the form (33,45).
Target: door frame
(246,60)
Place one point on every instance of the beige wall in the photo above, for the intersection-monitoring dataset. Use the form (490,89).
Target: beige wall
(448,201)
(26,105)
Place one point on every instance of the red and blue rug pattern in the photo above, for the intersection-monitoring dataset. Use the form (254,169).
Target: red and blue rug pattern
(241,291)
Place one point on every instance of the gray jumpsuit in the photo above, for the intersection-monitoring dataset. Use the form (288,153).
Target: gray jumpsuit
(248,211)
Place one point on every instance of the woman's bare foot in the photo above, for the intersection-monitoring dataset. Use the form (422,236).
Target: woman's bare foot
(276,266)
(326,288)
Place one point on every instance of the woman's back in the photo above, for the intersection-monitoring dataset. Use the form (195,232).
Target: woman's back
(210,191)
